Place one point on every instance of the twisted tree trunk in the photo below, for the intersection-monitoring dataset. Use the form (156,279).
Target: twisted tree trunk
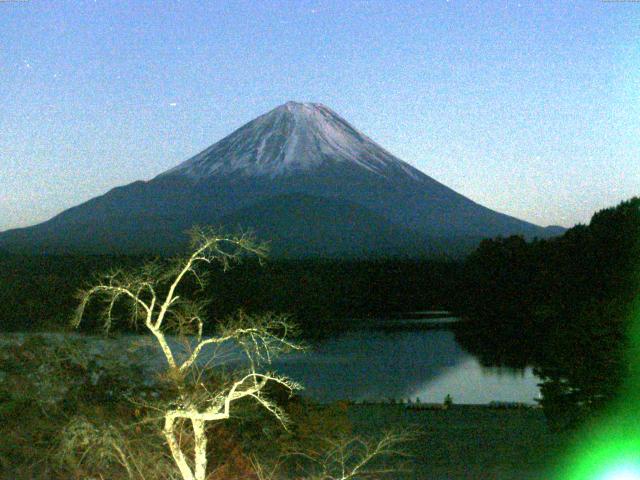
(174,446)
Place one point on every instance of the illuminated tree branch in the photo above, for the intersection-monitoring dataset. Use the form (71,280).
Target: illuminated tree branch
(260,338)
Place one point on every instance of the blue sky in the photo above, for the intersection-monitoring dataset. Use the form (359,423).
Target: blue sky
(531,108)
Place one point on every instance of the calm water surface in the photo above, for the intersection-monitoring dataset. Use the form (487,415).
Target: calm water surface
(373,364)
(382,365)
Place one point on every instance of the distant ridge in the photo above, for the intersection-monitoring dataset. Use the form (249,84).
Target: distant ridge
(300,176)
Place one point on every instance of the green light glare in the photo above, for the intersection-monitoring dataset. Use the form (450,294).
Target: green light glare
(608,448)
(623,472)
(610,454)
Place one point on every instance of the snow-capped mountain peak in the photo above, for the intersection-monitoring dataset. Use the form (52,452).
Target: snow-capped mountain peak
(299,176)
(294,137)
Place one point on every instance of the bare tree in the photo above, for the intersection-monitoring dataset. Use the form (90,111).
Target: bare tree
(352,458)
(152,293)
(345,458)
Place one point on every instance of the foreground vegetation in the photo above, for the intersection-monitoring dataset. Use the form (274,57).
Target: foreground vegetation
(38,441)
(75,406)
(90,403)
(468,442)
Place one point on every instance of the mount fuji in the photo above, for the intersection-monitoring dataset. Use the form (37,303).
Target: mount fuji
(302,178)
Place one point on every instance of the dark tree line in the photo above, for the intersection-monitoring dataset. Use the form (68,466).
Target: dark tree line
(563,305)
(38,292)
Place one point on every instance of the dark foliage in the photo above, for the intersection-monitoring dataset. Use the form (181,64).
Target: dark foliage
(38,292)
(562,305)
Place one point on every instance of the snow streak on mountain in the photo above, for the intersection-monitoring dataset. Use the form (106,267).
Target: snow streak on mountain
(293,138)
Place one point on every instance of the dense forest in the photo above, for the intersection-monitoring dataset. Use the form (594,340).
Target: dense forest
(38,292)
(564,305)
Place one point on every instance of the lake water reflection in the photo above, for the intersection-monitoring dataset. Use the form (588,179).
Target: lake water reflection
(369,364)
(380,365)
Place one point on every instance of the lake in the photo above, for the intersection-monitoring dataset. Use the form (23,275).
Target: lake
(374,364)
(369,363)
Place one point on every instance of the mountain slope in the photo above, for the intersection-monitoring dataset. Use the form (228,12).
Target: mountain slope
(302,167)
(300,225)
